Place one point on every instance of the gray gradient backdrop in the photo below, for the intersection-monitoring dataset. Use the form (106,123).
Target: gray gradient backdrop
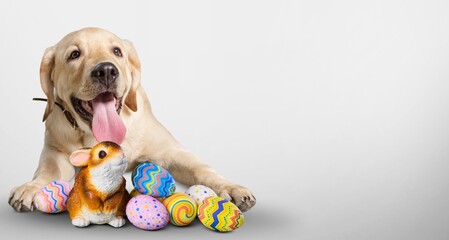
(335,113)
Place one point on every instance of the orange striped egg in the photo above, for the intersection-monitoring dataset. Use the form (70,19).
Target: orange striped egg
(182,209)
(219,214)
(52,198)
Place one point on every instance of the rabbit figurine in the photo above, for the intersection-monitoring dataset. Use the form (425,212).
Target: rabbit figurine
(99,195)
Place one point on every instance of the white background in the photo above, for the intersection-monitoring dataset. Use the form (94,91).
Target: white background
(335,113)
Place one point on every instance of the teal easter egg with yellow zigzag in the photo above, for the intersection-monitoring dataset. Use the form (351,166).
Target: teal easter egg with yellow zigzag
(153,180)
(219,214)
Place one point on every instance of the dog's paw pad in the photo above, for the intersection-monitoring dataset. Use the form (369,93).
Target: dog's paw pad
(240,196)
(21,198)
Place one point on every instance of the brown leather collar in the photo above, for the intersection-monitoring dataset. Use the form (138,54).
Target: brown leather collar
(67,114)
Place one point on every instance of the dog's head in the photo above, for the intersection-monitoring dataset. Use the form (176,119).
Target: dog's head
(91,70)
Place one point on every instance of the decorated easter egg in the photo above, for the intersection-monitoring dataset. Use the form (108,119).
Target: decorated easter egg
(219,214)
(182,209)
(200,192)
(151,179)
(145,212)
(52,198)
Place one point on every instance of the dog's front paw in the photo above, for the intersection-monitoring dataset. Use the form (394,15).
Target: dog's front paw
(240,196)
(21,197)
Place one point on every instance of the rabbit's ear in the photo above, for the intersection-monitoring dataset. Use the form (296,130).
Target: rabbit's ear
(80,158)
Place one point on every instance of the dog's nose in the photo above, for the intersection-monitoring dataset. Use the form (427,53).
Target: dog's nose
(106,73)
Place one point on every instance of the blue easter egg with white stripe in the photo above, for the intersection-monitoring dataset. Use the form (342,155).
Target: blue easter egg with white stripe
(153,180)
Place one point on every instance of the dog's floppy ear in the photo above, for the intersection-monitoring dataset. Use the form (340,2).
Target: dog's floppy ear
(134,62)
(47,65)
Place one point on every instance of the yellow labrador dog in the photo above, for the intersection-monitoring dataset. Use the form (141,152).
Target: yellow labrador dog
(92,82)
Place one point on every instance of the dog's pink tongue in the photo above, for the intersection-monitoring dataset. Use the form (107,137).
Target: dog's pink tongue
(107,124)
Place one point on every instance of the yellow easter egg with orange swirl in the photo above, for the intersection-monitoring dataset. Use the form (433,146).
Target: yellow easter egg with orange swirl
(182,209)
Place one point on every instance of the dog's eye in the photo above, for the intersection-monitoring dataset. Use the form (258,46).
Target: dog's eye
(102,154)
(117,52)
(74,55)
